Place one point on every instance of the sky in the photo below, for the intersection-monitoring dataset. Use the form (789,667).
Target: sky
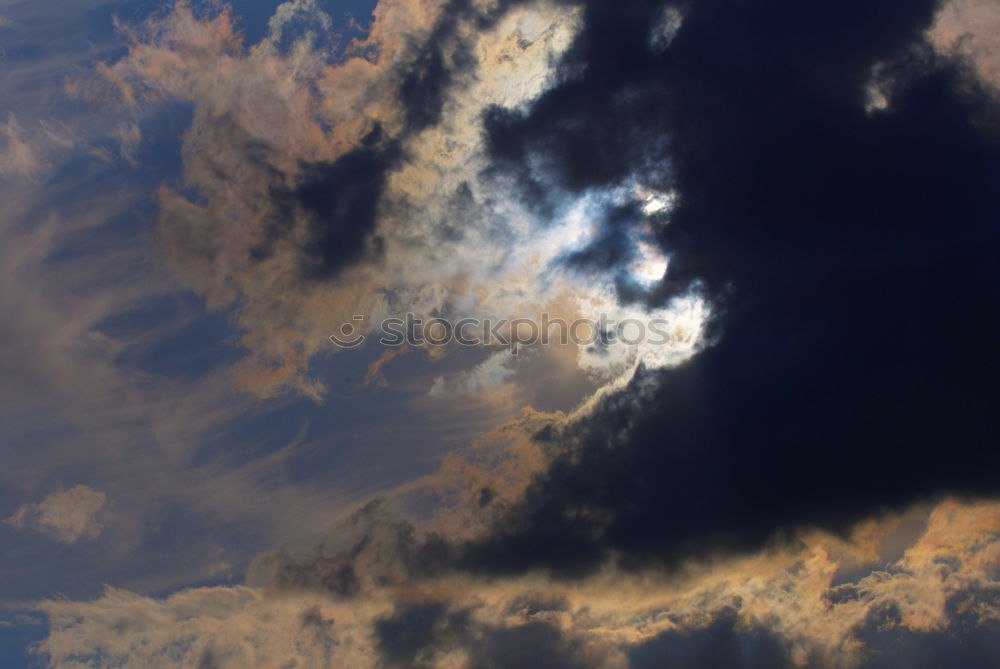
(242,423)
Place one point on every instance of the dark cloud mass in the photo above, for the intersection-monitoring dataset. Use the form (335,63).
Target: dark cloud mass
(965,643)
(719,644)
(853,256)
(342,200)
(415,636)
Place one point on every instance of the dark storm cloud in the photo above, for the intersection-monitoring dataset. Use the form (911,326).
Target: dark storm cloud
(411,636)
(719,644)
(414,636)
(341,199)
(338,201)
(852,257)
(966,642)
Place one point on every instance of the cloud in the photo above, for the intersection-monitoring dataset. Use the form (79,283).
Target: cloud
(788,606)
(969,29)
(113,372)
(727,498)
(215,627)
(724,642)
(66,516)
(17,156)
(365,186)
(375,375)
(486,377)
(128,136)
(821,236)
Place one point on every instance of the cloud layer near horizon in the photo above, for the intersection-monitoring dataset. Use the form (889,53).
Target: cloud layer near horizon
(905,591)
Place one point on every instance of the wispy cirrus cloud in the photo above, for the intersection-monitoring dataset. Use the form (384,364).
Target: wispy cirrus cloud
(66,516)
(16,155)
